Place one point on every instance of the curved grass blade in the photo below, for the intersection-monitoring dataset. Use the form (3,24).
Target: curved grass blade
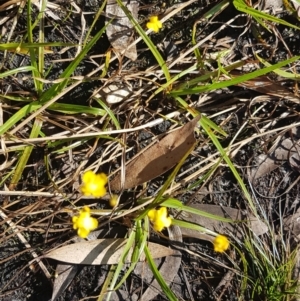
(110,113)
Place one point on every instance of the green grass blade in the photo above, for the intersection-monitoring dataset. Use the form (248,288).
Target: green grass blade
(176,204)
(213,126)
(58,107)
(32,51)
(19,115)
(188,225)
(25,155)
(169,293)
(207,76)
(140,242)
(216,142)
(40,50)
(234,81)
(280,72)
(18,70)
(110,113)
(76,109)
(26,46)
(243,7)
(129,245)
(68,147)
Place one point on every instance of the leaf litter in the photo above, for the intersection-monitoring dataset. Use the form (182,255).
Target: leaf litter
(157,158)
(276,165)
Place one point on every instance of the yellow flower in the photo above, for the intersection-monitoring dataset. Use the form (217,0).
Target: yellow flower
(154,24)
(84,222)
(113,201)
(93,184)
(159,218)
(221,243)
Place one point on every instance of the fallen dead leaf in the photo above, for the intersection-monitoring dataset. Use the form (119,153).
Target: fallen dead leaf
(65,274)
(285,150)
(158,158)
(101,251)
(256,225)
(264,85)
(119,31)
(291,223)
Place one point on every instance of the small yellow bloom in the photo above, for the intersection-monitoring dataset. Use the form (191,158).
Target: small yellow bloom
(113,201)
(159,218)
(154,24)
(93,184)
(221,243)
(84,222)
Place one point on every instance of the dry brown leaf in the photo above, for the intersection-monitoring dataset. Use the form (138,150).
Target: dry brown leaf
(65,275)
(264,85)
(274,4)
(101,251)
(256,225)
(119,31)
(285,149)
(292,224)
(158,158)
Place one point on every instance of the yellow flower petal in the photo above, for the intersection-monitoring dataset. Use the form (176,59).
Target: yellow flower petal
(94,184)
(159,218)
(113,201)
(88,176)
(154,24)
(152,214)
(221,243)
(83,233)
(74,220)
(84,222)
